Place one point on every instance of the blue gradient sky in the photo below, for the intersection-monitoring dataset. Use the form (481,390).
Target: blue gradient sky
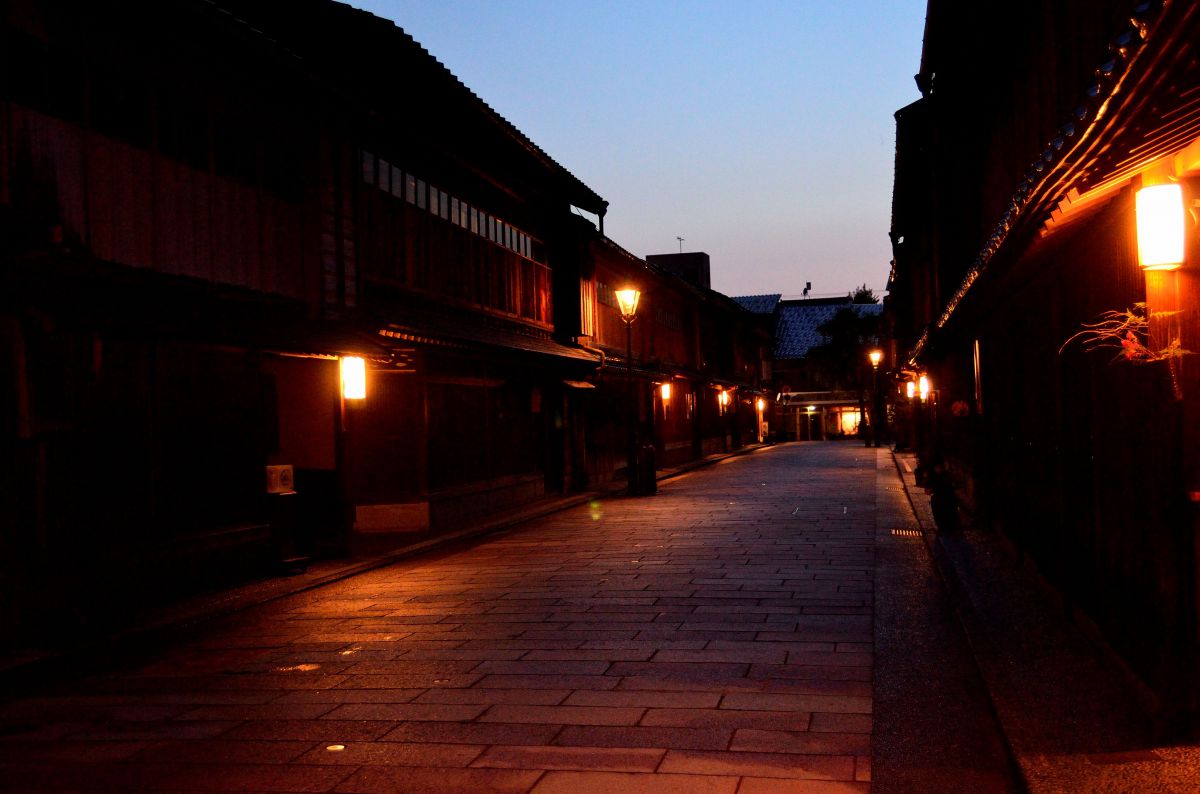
(759,131)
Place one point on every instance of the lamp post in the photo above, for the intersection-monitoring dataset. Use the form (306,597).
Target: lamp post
(627,300)
(875,356)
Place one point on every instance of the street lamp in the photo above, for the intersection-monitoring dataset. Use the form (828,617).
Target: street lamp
(875,356)
(627,300)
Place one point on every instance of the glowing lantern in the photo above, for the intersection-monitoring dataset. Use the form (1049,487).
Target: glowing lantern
(354,378)
(1160,227)
(910,389)
(627,300)
(876,356)
(923,387)
(665,389)
(761,403)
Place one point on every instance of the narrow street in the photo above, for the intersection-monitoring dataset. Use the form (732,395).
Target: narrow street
(745,630)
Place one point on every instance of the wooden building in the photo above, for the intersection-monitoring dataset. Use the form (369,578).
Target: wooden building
(1014,228)
(700,361)
(206,210)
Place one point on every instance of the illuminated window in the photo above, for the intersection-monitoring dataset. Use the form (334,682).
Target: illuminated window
(385,176)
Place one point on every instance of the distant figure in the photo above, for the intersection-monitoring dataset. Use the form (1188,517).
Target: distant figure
(943,499)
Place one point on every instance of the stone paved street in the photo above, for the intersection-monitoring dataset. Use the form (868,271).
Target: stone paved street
(717,637)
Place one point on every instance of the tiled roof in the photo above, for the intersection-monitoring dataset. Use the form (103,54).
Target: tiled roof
(433,327)
(759,304)
(370,52)
(796,332)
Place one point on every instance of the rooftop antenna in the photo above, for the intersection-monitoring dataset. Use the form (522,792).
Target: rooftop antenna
(807,287)
(680,239)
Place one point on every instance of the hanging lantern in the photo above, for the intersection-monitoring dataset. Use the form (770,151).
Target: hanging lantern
(1160,227)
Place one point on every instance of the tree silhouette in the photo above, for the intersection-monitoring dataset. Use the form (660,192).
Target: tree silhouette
(864,294)
(839,362)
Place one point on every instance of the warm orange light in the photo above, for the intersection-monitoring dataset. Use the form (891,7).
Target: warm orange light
(666,391)
(354,378)
(627,300)
(923,387)
(723,398)
(910,389)
(762,404)
(876,356)
(1160,227)
(849,421)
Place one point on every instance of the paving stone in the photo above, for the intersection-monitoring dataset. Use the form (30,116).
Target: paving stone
(696,670)
(132,731)
(642,736)
(58,776)
(624,783)
(811,672)
(780,702)
(741,652)
(543,667)
(352,696)
(580,758)
(472,733)
(461,654)
(564,715)
(422,681)
(391,753)
(848,723)
(25,751)
(280,681)
(269,711)
(526,697)
(767,785)
(225,751)
(428,780)
(400,712)
(547,682)
(324,730)
(725,718)
(780,765)
(644,699)
(580,654)
(806,742)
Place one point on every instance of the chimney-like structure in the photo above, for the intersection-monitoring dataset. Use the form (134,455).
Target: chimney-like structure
(692,266)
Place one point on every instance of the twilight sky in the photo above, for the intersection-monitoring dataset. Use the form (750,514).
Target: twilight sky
(760,131)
